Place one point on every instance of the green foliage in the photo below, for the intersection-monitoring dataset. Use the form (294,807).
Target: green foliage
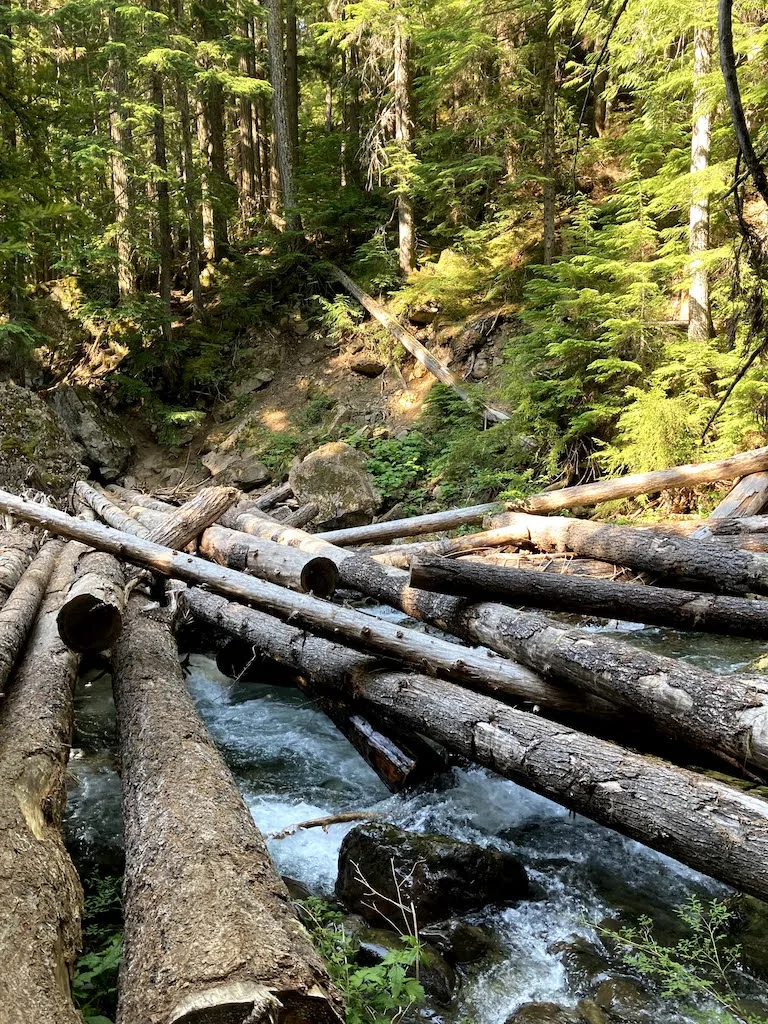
(276,449)
(701,966)
(383,994)
(340,316)
(95,982)
(175,425)
(399,466)
(314,411)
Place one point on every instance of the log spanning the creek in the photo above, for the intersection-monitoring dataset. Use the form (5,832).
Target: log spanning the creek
(702,823)
(725,569)
(727,716)
(659,606)
(18,614)
(396,528)
(17,548)
(210,931)
(39,889)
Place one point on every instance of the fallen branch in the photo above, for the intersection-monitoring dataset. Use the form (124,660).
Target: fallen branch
(326,822)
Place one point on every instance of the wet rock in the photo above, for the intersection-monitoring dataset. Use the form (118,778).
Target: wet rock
(36,451)
(436,975)
(297,890)
(622,998)
(584,961)
(89,421)
(438,875)
(458,941)
(367,367)
(590,1013)
(334,478)
(542,1013)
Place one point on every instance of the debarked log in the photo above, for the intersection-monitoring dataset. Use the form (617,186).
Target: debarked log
(725,569)
(40,892)
(705,824)
(660,606)
(394,529)
(17,548)
(210,931)
(91,618)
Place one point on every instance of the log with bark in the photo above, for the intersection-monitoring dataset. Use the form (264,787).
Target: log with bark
(411,343)
(705,824)
(561,564)
(18,614)
(394,529)
(301,516)
(732,571)
(17,548)
(210,931)
(744,464)
(40,892)
(659,606)
(91,617)
(727,716)
(274,497)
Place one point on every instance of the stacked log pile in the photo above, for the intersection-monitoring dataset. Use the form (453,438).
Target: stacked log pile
(605,728)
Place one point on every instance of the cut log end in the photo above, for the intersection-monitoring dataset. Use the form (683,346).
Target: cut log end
(88,624)
(247,1003)
(319,577)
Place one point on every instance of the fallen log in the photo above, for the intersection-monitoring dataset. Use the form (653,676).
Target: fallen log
(394,529)
(659,606)
(411,343)
(631,486)
(302,516)
(17,548)
(91,617)
(747,498)
(472,666)
(705,824)
(725,715)
(40,892)
(210,932)
(731,571)
(18,614)
(274,497)
(560,564)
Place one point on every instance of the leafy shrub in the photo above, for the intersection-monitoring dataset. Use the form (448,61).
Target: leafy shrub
(95,984)
(340,315)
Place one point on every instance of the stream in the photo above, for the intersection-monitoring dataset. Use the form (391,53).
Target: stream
(292,765)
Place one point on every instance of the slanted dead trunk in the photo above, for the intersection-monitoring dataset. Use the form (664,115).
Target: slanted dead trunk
(210,932)
(39,889)
(17,616)
(703,823)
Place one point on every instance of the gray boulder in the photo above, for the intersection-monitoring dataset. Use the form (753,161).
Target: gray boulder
(241,468)
(36,451)
(334,477)
(107,445)
(440,876)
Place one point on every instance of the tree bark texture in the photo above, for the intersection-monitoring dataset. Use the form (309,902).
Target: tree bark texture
(285,155)
(413,526)
(678,477)
(401,95)
(699,317)
(210,932)
(17,548)
(549,98)
(705,824)
(658,606)
(411,343)
(18,614)
(122,145)
(40,892)
(91,617)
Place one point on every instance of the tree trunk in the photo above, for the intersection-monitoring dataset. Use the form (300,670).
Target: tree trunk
(247,182)
(658,606)
(434,522)
(285,155)
(194,859)
(747,498)
(17,548)
(549,97)
(163,229)
(18,614)
(401,90)
(213,111)
(192,196)
(91,617)
(699,317)
(646,483)
(292,73)
(705,824)
(120,154)
(39,888)
(411,344)
(729,571)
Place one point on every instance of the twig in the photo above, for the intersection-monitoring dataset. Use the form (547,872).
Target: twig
(325,823)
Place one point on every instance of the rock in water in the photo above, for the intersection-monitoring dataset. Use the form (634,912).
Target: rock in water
(440,876)
(108,446)
(335,479)
(35,449)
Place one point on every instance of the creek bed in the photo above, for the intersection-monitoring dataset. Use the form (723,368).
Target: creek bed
(292,765)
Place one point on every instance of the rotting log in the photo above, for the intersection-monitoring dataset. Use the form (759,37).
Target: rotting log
(40,892)
(676,478)
(18,614)
(729,570)
(725,715)
(411,343)
(394,529)
(659,606)
(473,666)
(210,931)
(17,548)
(747,498)
(703,823)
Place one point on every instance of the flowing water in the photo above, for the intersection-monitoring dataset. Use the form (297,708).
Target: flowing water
(292,765)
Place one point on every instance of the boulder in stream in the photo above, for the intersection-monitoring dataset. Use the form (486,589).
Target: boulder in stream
(380,863)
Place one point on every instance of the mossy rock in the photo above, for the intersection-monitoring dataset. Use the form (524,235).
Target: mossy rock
(36,452)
